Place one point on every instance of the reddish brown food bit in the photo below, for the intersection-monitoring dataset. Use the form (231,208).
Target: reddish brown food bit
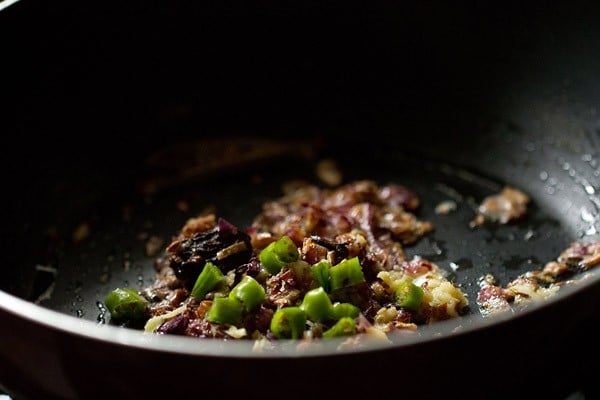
(385,253)
(260,320)
(328,213)
(312,252)
(260,240)
(174,326)
(202,328)
(251,268)
(417,266)
(493,300)
(585,254)
(508,205)
(283,288)
(224,245)
(355,193)
(490,292)
(177,297)
(203,308)
(312,218)
(403,226)
(403,319)
(363,324)
(352,244)
(399,195)
(438,313)
(198,225)
(555,268)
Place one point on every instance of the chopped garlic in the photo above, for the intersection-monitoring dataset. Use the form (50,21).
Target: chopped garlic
(236,333)
(453,297)
(527,292)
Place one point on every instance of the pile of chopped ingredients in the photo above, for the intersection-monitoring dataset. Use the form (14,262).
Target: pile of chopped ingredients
(320,263)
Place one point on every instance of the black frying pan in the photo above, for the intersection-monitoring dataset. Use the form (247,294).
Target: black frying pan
(451,102)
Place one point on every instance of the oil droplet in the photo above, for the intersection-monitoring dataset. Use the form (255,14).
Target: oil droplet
(530,234)
(101,318)
(543,175)
(589,189)
(586,215)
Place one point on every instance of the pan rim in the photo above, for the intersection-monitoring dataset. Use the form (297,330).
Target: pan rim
(172,344)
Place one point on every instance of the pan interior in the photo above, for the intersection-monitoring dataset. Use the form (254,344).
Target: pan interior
(105,245)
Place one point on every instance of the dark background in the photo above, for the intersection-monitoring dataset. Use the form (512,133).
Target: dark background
(107,82)
(121,75)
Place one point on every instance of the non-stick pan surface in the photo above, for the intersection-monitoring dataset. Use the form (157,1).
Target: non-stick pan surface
(456,111)
(89,252)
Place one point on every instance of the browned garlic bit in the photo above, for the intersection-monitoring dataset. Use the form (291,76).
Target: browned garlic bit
(445,207)
(508,205)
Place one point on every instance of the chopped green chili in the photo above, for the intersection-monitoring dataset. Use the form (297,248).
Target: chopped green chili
(208,279)
(409,295)
(226,311)
(278,253)
(317,305)
(126,304)
(288,323)
(341,310)
(346,273)
(320,272)
(344,327)
(248,292)
(286,249)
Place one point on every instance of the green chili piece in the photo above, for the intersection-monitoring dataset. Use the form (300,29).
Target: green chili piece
(320,272)
(210,277)
(344,327)
(126,304)
(278,253)
(317,305)
(288,323)
(248,292)
(409,295)
(225,311)
(341,310)
(346,273)
(269,259)
(286,249)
